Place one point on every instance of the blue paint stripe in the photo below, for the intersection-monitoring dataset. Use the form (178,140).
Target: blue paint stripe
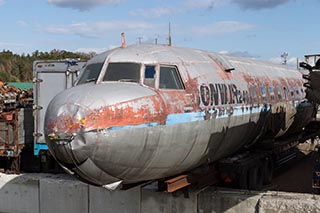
(171,119)
(197,116)
(184,117)
(134,126)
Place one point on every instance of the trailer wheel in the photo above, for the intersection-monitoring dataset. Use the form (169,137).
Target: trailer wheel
(243,181)
(255,178)
(268,171)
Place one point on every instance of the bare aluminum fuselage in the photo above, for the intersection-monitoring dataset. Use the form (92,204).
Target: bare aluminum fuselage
(109,131)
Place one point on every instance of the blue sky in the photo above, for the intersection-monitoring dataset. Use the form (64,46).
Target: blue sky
(261,29)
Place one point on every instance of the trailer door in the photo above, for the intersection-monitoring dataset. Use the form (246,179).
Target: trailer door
(50,78)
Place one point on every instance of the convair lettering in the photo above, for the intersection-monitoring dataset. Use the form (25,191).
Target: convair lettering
(214,94)
(205,94)
(222,94)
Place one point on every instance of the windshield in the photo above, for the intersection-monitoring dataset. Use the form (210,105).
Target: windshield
(90,73)
(127,72)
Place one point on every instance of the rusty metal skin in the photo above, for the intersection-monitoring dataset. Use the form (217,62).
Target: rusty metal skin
(112,131)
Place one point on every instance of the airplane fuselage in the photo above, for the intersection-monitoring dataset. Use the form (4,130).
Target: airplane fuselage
(150,111)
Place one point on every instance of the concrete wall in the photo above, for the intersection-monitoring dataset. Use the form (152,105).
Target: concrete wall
(154,202)
(102,200)
(19,194)
(211,200)
(42,193)
(63,195)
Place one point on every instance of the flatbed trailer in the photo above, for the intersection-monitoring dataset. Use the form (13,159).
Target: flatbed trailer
(250,169)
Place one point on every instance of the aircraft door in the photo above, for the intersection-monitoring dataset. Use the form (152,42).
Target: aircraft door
(172,90)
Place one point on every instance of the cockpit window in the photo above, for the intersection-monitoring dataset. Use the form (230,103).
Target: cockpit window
(90,73)
(149,75)
(170,78)
(126,72)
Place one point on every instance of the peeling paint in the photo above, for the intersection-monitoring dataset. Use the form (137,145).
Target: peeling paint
(135,132)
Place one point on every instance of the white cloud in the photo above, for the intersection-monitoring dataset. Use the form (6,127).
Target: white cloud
(8,45)
(15,47)
(220,28)
(245,4)
(145,31)
(186,6)
(99,29)
(90,50)
(277,60)
(155,12)
(260,4)
(82,5)
(207,4)
(244,54)
(22,23)
(292,61)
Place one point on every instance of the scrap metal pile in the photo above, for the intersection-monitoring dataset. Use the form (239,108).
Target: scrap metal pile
(312,64)
(12,97)
(12,100)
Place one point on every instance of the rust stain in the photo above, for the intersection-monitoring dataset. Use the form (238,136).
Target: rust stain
(191,87)
(134,112)
(222,74)
(175,101)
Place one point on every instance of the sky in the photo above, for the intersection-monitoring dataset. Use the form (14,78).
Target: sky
(260,29)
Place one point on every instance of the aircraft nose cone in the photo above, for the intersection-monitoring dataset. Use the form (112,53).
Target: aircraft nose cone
(64,128)
(68,118)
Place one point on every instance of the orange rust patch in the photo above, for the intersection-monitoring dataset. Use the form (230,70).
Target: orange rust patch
(152,109)
(135,112)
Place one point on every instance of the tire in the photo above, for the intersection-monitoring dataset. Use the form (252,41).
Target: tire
(243,181)
(255,178)
(268,168)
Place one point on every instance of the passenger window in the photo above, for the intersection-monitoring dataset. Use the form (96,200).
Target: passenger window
(271,93)
(285,92)
(125,72)
(149,75)
(297,92)
(279,93)
(291,92)
(245,97)
(302,92)
(90,73)
(263,93)
(254,94)
(169,78)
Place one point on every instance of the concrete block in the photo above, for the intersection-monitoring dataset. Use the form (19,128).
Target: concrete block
(19,193)
(47,193)
(230,201)
(281,202)
(63,194)
(103,200)
(155,202)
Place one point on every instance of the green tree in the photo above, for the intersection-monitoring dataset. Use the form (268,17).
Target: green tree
(15,67)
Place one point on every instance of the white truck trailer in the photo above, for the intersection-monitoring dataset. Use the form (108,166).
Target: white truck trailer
(50,77)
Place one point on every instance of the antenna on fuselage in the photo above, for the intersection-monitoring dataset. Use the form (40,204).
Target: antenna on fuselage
(140,39)
(156,39)
(169,36)
(123,41)
(284,56)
